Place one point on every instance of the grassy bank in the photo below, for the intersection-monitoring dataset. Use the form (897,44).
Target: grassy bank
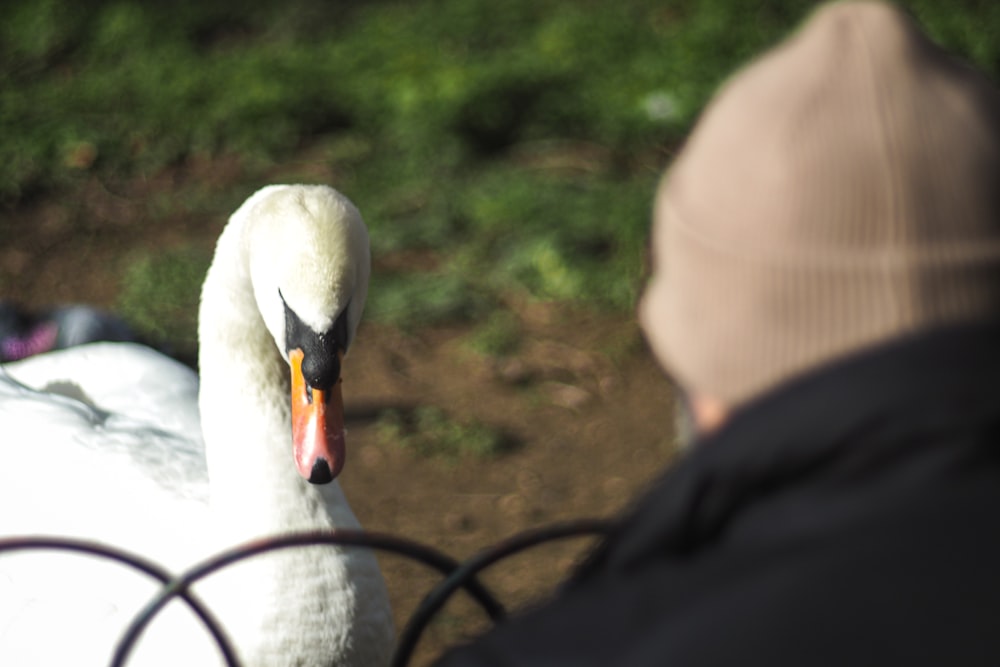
(504,147)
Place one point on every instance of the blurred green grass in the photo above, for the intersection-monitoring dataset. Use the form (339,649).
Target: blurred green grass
(429,431)
(519,142)
(160,293)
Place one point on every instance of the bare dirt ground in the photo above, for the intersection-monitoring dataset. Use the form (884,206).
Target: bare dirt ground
(585,405)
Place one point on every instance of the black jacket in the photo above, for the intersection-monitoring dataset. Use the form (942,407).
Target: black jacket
(850,518)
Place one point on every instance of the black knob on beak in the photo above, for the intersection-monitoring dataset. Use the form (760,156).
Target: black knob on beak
(321,473)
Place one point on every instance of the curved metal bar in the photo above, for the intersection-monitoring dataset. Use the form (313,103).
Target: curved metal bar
(439,595)
(456,575)
(147,567)
(378,541)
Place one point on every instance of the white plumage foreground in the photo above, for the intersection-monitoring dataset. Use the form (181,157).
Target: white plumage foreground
(106,442)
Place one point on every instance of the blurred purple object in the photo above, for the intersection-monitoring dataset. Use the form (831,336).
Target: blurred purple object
(23,334)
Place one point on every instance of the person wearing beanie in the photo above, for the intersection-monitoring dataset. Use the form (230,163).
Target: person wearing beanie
(826,295)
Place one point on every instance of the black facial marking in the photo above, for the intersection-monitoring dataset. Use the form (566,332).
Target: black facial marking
(320,362)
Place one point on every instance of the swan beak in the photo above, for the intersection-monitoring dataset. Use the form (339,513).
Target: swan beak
(317,426)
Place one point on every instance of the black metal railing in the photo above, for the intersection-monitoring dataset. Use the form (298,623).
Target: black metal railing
(456,575)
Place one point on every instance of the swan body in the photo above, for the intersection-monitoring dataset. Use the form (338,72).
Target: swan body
(116,443)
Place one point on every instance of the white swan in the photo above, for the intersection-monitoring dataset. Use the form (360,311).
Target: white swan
(105,442)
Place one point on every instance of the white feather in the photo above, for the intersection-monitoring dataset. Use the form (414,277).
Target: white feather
(106,442)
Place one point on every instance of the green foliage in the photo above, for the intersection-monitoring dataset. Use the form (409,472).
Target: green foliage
(518,141)
(159,296)
(499,336)
(424,299)
(559,237)
(429,431)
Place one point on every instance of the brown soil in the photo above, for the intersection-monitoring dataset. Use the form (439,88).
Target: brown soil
(587,408)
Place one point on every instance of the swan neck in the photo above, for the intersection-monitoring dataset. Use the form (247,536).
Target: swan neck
(245,408)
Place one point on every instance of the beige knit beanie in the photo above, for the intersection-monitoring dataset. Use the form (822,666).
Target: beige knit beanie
(841,190)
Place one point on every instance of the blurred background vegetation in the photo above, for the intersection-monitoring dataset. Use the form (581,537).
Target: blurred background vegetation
(496,148)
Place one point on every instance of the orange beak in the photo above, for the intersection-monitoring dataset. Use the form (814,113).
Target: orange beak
(317,426)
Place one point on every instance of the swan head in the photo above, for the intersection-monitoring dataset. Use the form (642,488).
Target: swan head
(309,263)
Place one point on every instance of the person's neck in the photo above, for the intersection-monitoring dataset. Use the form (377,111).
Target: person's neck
(709,414)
